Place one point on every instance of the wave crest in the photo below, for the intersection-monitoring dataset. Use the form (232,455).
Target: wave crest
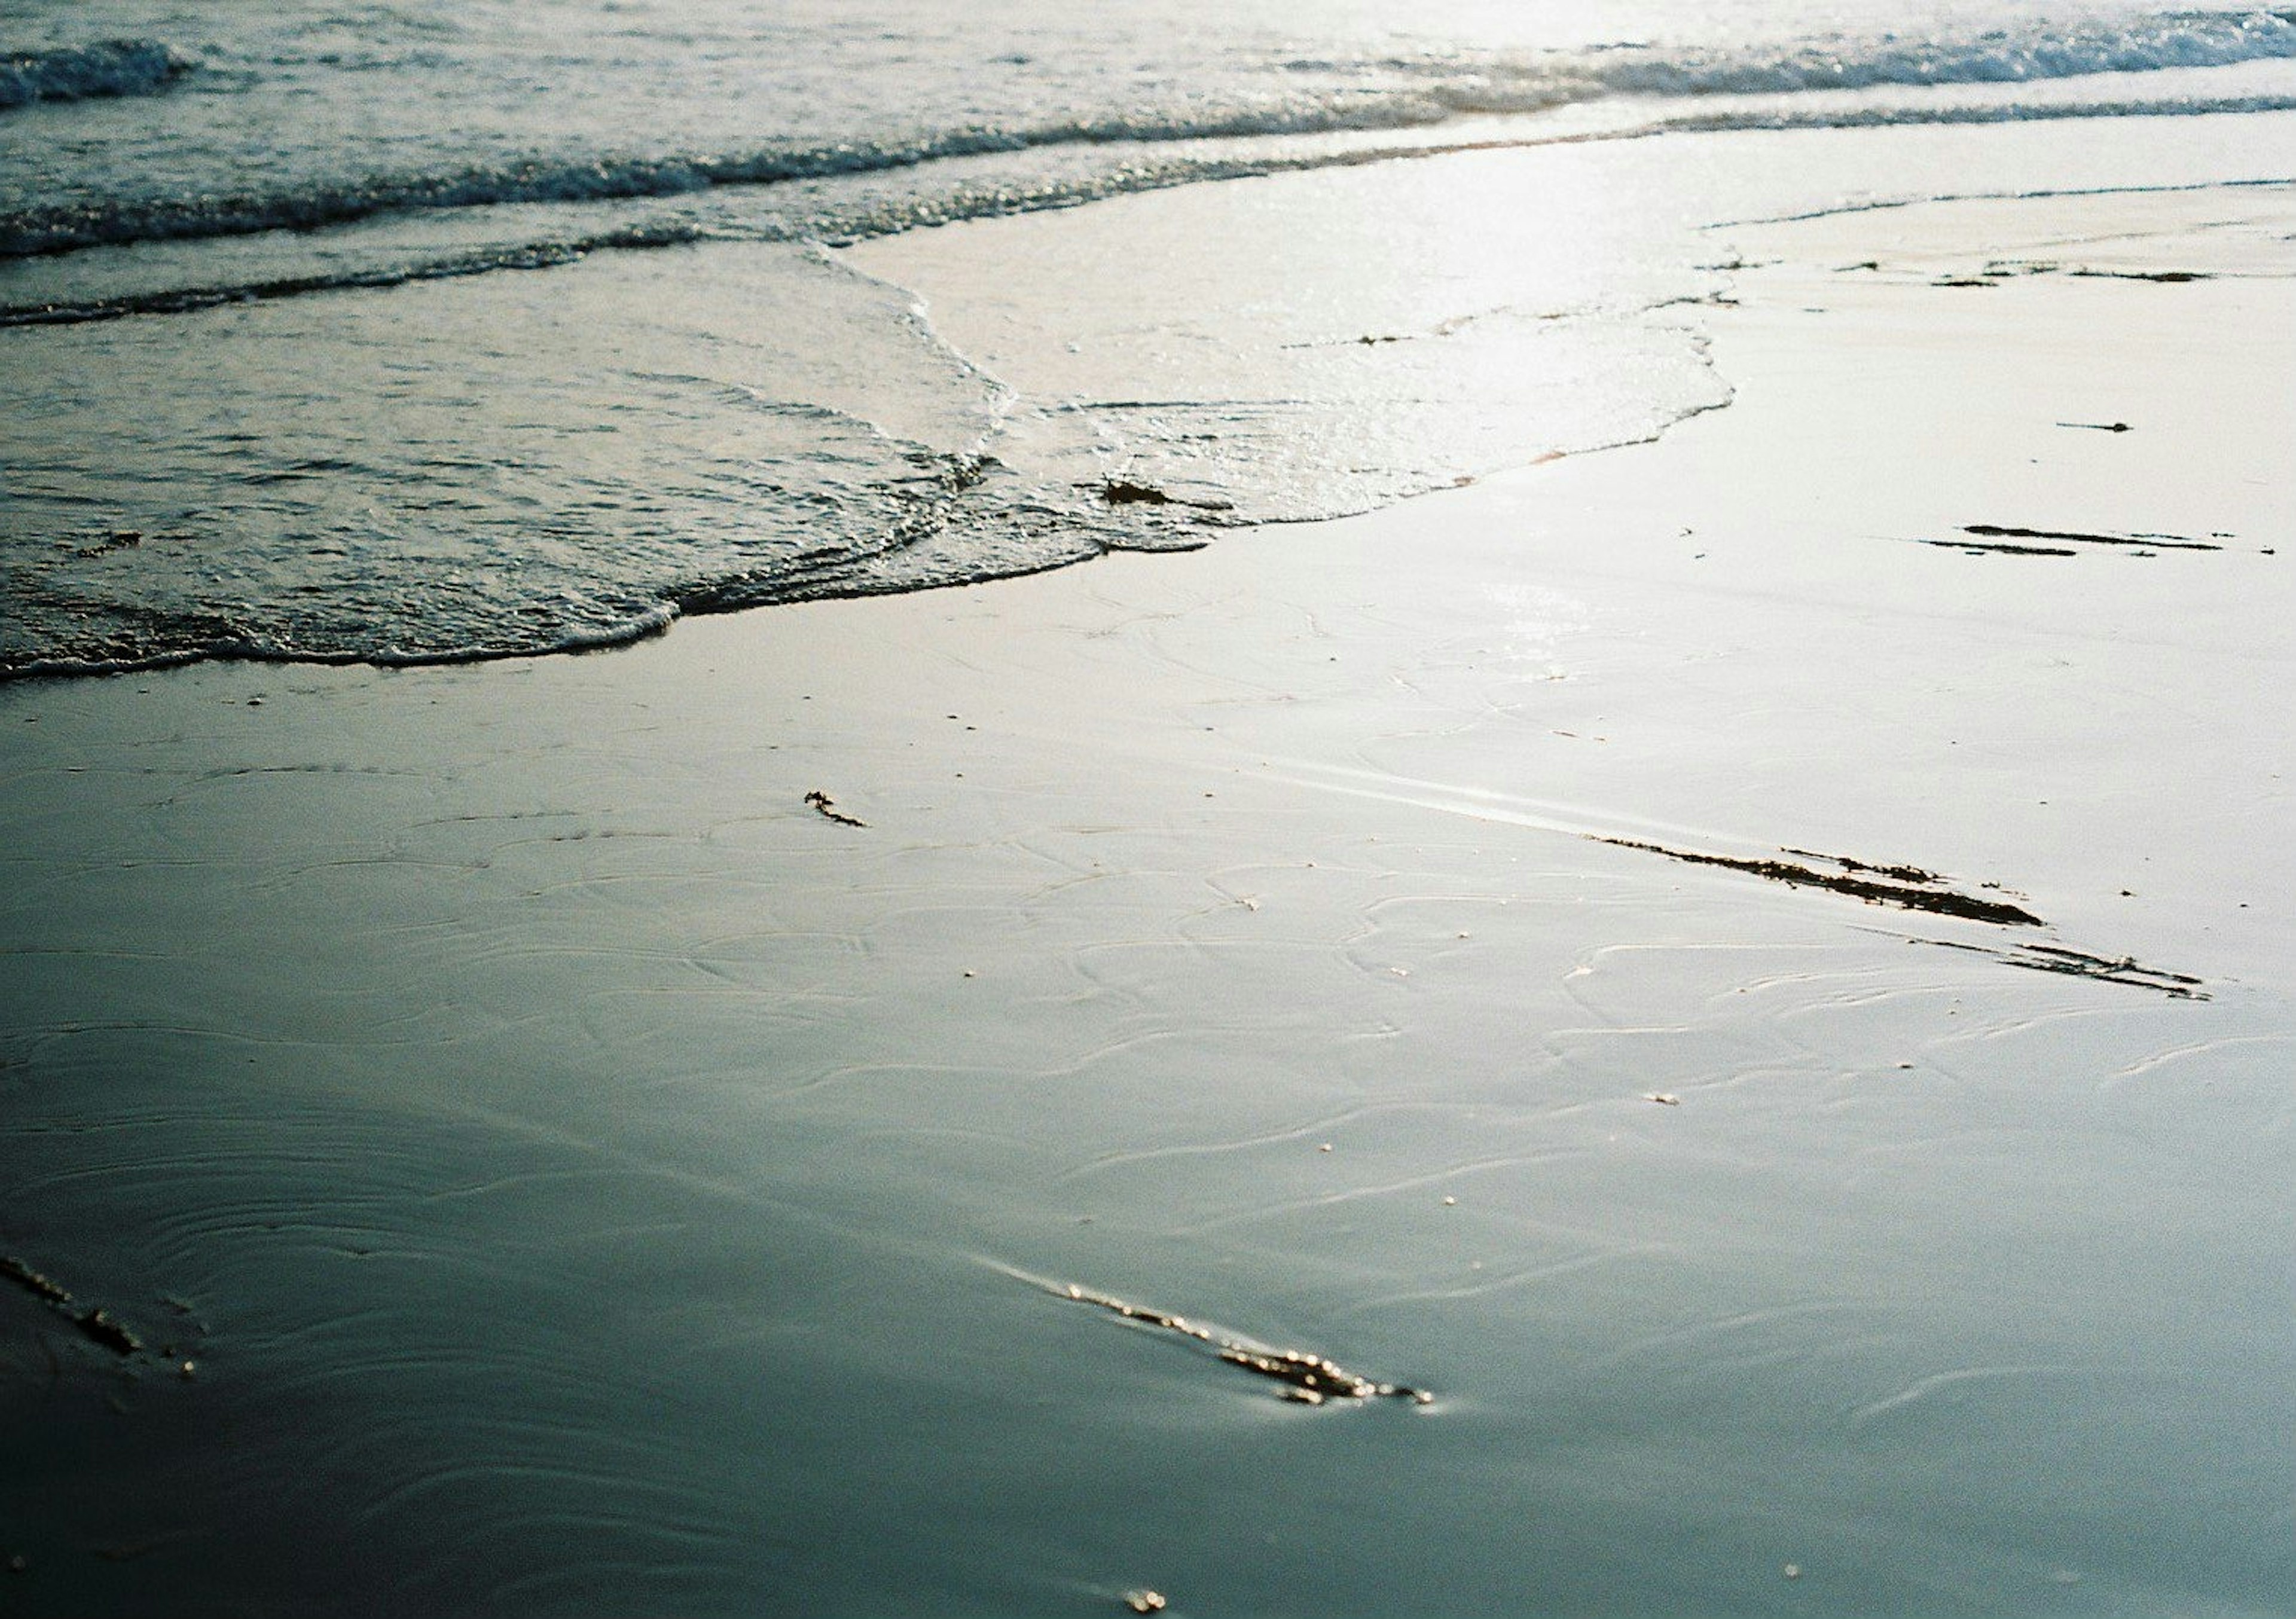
(2177,39)
(119,67)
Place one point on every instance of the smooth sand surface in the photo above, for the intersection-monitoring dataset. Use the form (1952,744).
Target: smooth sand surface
(586,1177)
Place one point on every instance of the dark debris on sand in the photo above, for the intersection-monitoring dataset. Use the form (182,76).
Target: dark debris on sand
(1307,1379)
(2075,536)
(1909,888)
(2080,964)
(827,809)
(2009,540)
(1123,492)
(95,1323)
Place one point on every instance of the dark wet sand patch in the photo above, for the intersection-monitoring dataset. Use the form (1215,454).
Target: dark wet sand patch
(1908,888)
(1307,1379)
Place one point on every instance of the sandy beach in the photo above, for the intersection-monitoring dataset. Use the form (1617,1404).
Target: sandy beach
(1756,967)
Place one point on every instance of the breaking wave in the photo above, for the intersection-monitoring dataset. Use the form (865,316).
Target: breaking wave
(120,67)
(959,202)
(2182,39)
(1390,94)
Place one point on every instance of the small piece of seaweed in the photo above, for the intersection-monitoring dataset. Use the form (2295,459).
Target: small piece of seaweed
(102,1326)
(1308,1380)
(826,807)
(98,1324)
(16,1270)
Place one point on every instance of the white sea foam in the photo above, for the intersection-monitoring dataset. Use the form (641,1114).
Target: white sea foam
(2180,39)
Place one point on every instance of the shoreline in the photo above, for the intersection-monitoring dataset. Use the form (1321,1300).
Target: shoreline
(1332,373)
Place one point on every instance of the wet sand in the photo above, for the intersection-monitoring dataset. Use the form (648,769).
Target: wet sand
(620,1133)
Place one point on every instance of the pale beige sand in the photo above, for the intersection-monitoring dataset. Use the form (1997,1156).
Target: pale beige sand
(516,1043)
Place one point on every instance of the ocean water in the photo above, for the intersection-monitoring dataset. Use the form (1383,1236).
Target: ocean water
(418,333)
(444,332)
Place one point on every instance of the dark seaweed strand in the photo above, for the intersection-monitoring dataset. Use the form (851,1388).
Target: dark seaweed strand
(1978,547)
(1902,874)
(2148,542)
(2128,969)
(2080,964)
(1910,896)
